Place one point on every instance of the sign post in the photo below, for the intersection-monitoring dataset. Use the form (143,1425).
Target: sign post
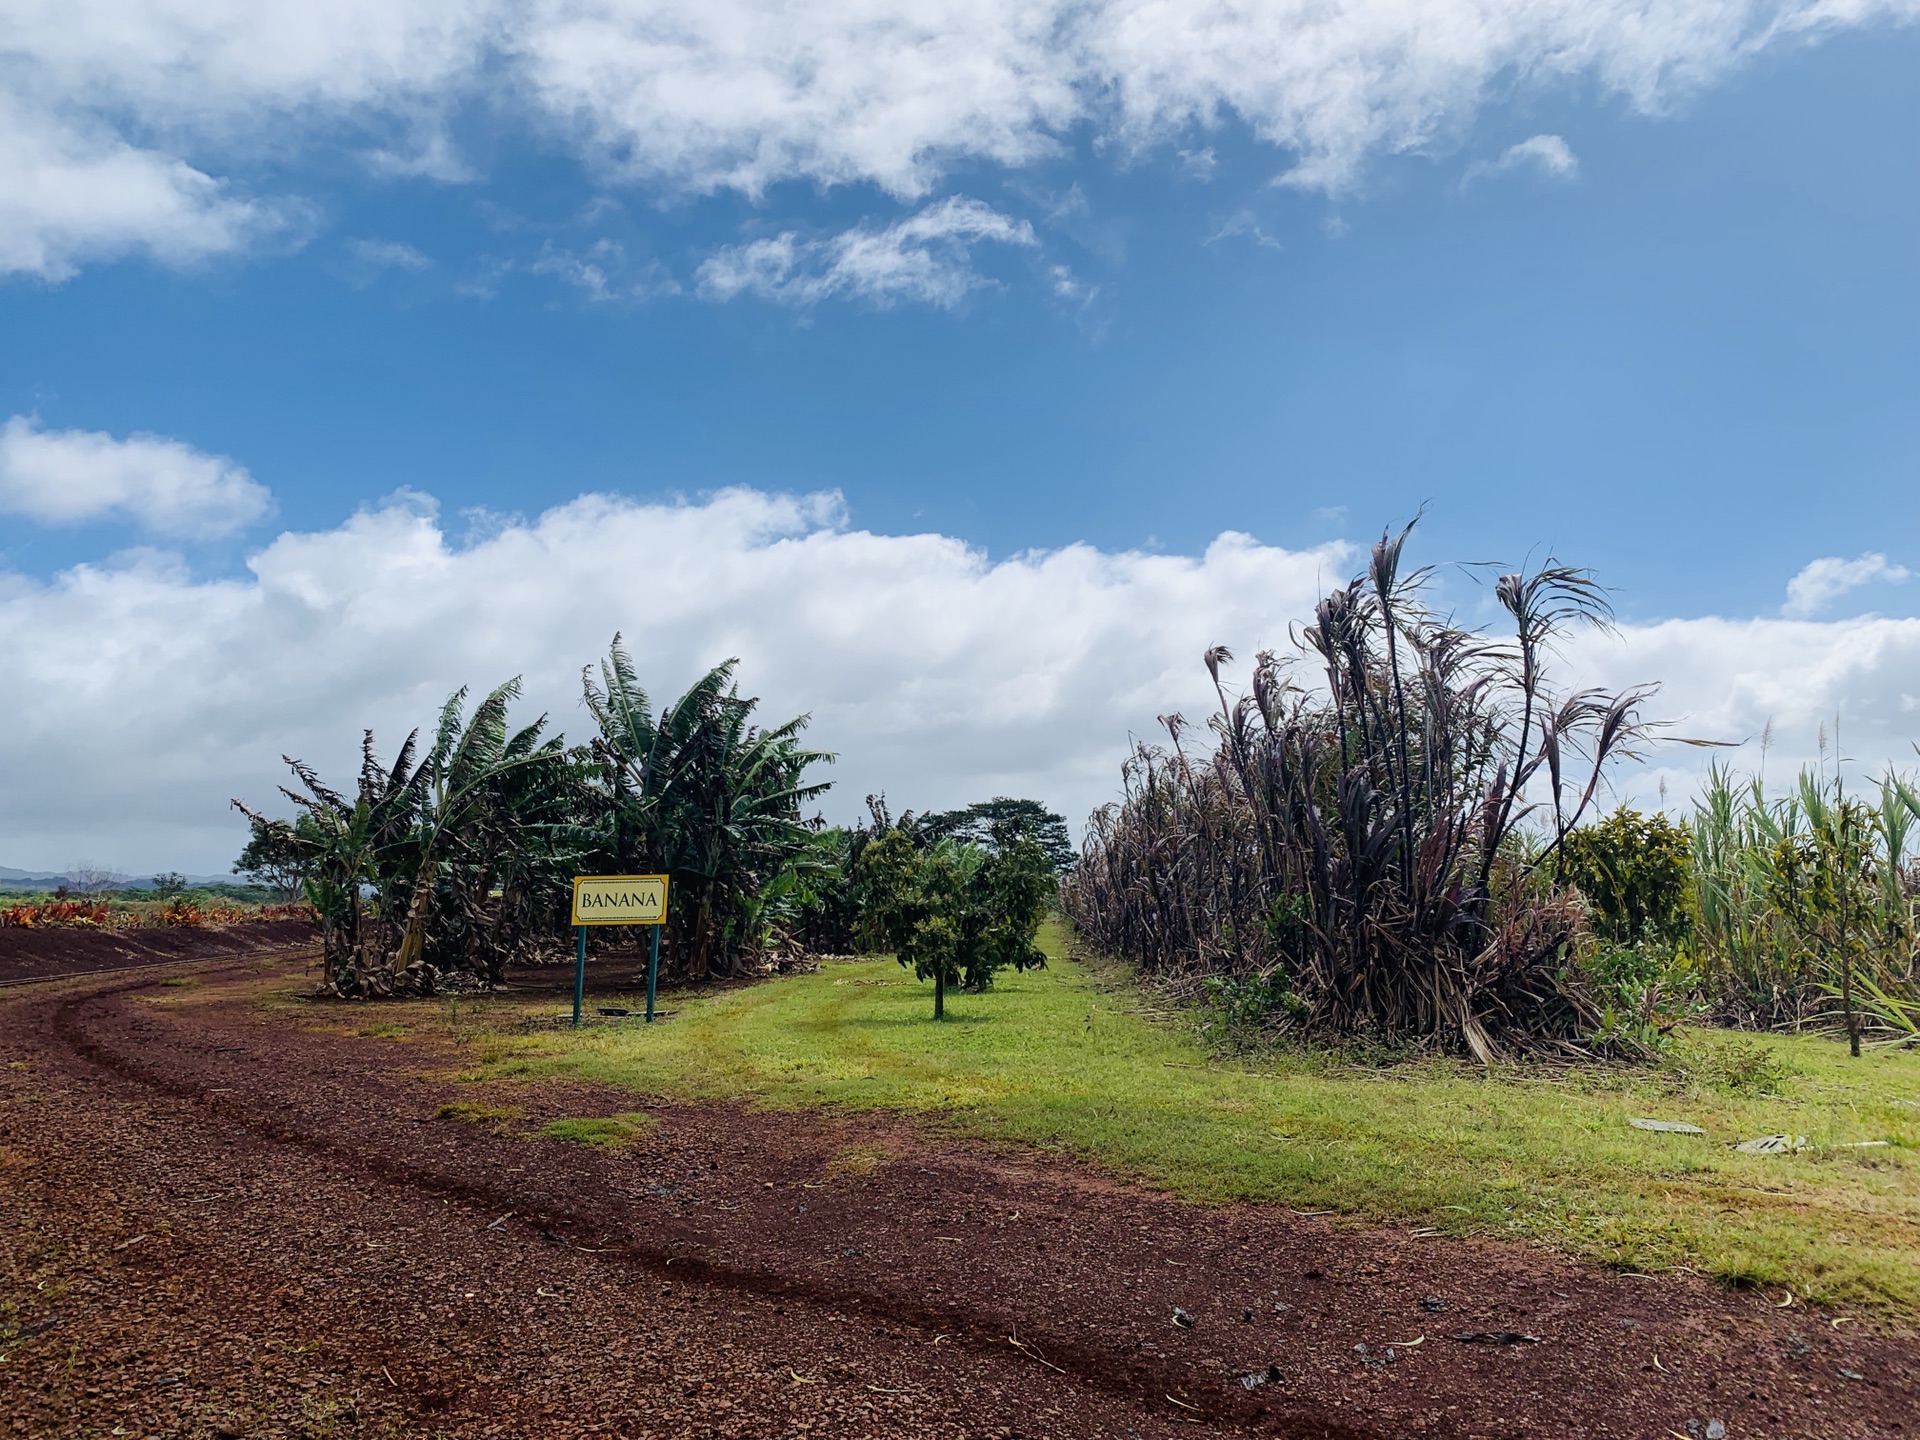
(617,900)
(653,969)
(579,968)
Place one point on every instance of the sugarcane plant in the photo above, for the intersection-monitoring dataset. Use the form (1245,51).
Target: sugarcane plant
(1371,849)
(1806,904)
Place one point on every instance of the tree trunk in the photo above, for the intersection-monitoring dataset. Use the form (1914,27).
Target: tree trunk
(701,964)
(413,940)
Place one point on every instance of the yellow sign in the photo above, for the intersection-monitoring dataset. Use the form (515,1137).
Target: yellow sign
(619,899)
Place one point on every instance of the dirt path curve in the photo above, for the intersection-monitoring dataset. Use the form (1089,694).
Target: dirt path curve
(223,1220)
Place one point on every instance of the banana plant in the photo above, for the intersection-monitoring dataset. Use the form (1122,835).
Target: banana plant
(466,778)
(701,793)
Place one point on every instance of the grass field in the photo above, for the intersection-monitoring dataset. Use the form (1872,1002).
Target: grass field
(1074,1059)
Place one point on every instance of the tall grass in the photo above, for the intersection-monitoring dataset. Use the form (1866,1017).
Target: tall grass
(1806,905)
(1373,855)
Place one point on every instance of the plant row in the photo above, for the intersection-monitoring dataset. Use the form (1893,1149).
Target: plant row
(458,855)
(1383,839)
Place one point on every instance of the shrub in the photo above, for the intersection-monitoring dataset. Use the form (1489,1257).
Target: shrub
(1635,872)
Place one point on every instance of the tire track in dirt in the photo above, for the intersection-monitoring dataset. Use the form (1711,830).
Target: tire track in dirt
(1121,1377)
(1085,1279)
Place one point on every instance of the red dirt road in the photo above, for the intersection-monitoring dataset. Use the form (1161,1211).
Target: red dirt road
(223,1220)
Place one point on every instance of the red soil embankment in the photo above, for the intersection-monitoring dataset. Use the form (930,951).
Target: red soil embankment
(42,953)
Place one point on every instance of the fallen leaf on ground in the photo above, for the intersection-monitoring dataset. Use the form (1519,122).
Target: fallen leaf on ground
(1771,1145)
(1025,1349)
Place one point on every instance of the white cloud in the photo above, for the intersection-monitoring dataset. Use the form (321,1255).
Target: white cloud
(216,63)
(1197,164)
(1245,222)
(71,193)
(429,154)
(387,255)
(701,95)
(1070,287)
(584,272)
(602,272)
(1335,82)
(1731,679)
(1821,582)
(142,697)
(747,93)
(925,257)
(1545,155)
(62,477)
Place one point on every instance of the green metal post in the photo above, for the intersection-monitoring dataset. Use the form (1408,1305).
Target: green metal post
(653,969)
(579,968)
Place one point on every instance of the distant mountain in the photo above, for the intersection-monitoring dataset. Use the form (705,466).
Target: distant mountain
(27,877)
(46,880)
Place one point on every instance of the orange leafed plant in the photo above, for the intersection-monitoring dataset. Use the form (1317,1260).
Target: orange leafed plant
(56,912)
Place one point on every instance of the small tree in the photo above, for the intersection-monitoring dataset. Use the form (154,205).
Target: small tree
(91,880)
(279,856)
(169,883)
(953,913)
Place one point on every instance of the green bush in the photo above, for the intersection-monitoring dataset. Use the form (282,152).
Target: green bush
(1634,871)
(1738,1067)
(1246,1002)
(1645,989)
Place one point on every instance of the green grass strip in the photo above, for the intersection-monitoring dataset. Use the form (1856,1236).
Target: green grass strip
(1078,1061)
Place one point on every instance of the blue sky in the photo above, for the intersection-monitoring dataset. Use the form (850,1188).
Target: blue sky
(1652,310)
